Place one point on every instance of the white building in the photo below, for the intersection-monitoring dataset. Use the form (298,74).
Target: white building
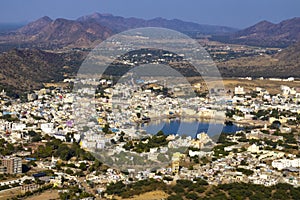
(285,163)
(239,90)
(47,128)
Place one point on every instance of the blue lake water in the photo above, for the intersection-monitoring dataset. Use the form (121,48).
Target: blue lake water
(189,127)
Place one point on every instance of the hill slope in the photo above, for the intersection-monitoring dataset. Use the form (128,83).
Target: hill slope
(267,34)
(48,34)
(24,70)
(283,64)
(27,69)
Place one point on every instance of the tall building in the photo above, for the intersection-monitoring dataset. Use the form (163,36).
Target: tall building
(176,162)
(13,165)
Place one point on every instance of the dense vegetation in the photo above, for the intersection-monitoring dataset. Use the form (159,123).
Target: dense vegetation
(65,151)
(199,189)
(7,148)
(147,143)
(140,187)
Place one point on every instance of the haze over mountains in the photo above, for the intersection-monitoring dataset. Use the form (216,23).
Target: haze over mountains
(118,24)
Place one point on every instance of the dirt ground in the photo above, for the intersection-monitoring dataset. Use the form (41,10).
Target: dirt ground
(7,194)
(273,87)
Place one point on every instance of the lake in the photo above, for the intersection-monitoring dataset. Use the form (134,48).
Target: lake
(189,127)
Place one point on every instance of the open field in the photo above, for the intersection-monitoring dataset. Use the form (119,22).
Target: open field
(48,194)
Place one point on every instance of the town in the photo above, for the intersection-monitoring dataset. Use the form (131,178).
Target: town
(42,147)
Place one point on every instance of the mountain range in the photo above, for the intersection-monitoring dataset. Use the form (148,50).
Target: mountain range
(88,30)
(266,34)
(118,24)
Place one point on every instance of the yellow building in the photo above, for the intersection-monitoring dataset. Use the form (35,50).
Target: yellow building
(176,162)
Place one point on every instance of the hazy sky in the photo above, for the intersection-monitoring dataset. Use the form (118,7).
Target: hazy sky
(235,13)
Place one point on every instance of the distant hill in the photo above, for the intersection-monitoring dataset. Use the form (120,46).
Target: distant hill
(35,27)
(50,34)
(88,30)
(283,64)
(266,34)
(118,24)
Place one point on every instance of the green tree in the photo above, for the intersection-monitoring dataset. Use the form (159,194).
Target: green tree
(82,166)
(192,196)
(175,197)
(69,171)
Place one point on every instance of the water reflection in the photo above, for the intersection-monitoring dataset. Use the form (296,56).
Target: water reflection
(188,127)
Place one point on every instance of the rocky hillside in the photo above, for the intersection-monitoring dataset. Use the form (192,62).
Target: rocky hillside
(266,34)
(24,70)
(283,64)
(87,31)
(52,34)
